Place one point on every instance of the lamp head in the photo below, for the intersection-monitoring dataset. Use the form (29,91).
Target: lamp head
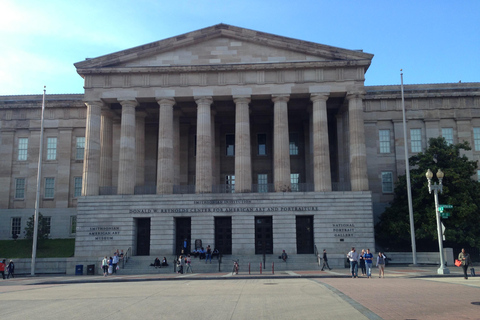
(429,174)
(440,174)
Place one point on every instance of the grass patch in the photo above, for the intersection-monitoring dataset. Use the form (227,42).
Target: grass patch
(49,248)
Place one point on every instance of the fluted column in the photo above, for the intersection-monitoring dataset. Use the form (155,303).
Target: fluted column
(91,159)
(281,144)
(243,160)
(165,171)
(176,147)
(203,170)
(321,152)
(358,155)
(126,165)
(106,145)
(215,177)
(140,148)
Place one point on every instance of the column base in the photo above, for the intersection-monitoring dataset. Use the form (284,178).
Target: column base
(443,271)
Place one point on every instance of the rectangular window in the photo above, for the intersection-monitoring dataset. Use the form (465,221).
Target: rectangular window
(49,188)
(447,133)
(48,223)
(293,137)
(478,175)
(51,148)
(80,148)
(262,182)
(22,149)
(20,188)
(230,144)
(384,138)
(262,144)
(16,226)
(416,140)
(476,138)
(77,187)
(230,183)
(73,224)
(387,182)
(294,179)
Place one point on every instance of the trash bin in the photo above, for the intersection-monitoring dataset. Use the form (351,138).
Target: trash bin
(79,270)
(91,269)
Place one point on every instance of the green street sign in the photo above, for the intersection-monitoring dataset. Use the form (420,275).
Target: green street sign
(444,206)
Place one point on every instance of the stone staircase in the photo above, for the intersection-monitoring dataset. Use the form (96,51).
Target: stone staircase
(141,264)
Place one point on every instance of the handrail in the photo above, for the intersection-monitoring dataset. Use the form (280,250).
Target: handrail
(126,257)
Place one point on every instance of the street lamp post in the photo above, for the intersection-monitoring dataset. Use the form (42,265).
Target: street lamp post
(436,188)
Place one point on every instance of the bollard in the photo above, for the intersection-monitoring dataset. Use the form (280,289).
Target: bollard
(260,268)
(273,269)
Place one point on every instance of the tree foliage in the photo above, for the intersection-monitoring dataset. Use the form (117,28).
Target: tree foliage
(459,190)
(43,231)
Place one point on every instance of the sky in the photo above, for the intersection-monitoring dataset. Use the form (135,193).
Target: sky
(433,41)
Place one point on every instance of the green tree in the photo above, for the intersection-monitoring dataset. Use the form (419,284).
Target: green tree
(43,229)
(459,189)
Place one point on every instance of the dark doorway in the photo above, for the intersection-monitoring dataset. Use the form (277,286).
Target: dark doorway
(223,234)
(183,230)
(143,236)
(304,234)
(263,235)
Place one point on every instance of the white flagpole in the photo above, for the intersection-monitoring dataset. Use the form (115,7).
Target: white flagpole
(407,170)
(37,199)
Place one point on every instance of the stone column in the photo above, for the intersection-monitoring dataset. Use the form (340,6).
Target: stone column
(215,177)
(91,159)
(140,148)
(176,147)
(184,135)
(321,152)
(203,170)
(358,155)
(243,159)
(165,147)
(106,151)
(126,165)
(281,145)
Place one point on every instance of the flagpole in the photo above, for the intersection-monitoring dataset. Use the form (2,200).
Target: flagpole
(407,170)
(37,199)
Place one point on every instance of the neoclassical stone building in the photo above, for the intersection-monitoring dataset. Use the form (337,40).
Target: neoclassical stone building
(248,141)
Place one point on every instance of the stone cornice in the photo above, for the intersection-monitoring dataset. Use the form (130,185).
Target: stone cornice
(423,91)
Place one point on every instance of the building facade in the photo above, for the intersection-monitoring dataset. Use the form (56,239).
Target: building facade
(250,142)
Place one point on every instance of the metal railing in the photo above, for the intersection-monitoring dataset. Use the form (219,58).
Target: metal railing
(227,188)
(126,256)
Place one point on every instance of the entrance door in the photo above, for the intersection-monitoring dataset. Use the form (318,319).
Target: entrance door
(143,236)
(183,230)
(223,234)
(263,235)
(304,234)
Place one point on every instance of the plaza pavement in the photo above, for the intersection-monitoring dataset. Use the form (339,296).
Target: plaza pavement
(405,293)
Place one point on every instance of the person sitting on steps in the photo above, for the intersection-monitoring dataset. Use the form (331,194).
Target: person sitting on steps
(284,256)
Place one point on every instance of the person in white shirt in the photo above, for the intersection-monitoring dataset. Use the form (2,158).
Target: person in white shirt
(353,257)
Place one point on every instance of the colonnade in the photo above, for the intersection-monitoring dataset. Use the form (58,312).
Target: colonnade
(98,146)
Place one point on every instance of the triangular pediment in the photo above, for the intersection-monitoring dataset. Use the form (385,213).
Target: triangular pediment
(222,45)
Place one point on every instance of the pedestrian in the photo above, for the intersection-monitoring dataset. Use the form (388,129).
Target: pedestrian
(464,257)
(353,257)
(381,265)
(361,259)
(105,266)
(208,255)
(11,269)
(110,265)
(114,262)
(325,261)
(188,262)
(2,268)
(368,263)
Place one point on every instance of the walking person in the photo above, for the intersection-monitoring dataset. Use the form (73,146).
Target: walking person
(325,261)
(114,262)
(368,262)
(2,268)
(188,262)
(361,259)
(464,257)
(10,269)
(381,265)
(105,266)
(353,257)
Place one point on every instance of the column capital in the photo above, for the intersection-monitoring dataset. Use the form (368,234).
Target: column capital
(242,99)
(355,95)
(319,96)
(94,103)
(280,97)
(203,100)
(128,103)
(165,100)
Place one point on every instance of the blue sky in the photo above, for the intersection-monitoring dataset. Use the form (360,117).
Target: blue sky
(433,41)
